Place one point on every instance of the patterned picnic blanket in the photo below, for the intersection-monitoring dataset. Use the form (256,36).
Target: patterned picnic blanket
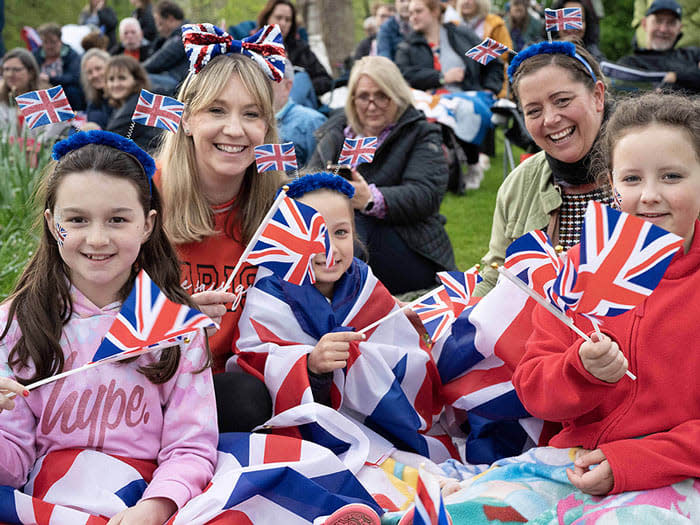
(533,488)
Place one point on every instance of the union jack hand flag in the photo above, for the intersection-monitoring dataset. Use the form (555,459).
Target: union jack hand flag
(61,232)
(158,111)
(280,157)
(569,18)
(534,260)
(429,508)
(460,287)
(623,259)
(486,51)
(290,240)
(357,151)
(45,106)
(436,313)
(148,320)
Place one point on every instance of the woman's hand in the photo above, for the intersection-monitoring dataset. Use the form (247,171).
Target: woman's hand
(454,75)
(602,358)
(362,194)
(7,387)
(332,351)
(153,511)
(213,303)
(597,481)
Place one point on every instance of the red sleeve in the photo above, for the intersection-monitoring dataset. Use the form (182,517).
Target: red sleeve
(550,378)
(657,460)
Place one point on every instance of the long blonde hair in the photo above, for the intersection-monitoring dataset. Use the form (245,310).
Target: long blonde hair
(188,214)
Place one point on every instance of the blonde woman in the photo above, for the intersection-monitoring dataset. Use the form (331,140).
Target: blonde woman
(398,195)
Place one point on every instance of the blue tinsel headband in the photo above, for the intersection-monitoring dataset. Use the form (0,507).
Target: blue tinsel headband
(317,181)
(106,138)
(551,48)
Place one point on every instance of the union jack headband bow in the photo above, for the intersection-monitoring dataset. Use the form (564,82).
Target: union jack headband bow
(206,41)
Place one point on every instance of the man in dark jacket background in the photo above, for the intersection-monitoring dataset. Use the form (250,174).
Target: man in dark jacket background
(663,25)
(167,67)
(59,64)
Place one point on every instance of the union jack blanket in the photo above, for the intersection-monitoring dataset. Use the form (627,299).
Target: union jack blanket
(390,387)
(259,479)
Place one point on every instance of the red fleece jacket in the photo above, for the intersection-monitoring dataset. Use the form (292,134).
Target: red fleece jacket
(648,429)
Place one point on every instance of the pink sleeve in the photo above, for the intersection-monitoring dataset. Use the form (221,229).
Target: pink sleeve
(17,426)
(190,435)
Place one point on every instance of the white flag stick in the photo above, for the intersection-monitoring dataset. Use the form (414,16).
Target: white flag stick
(254,240)
(401,309)
(550,307)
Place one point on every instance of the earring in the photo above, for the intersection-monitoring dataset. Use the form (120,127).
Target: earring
(187,131)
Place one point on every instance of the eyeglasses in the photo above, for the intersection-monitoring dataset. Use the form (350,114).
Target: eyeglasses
(8,70)
(380,100)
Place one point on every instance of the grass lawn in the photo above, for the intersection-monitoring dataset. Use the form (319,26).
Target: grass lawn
(469,216)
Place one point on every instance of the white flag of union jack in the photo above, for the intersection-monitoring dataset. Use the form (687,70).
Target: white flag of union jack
(146,320)
(623,259)
(357,151)
(569,18)
(290,240)
(486,51)
(460,287)
(158,111)
(45,106)
(282,157)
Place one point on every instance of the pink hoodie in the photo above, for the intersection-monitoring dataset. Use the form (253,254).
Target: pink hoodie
(115,409)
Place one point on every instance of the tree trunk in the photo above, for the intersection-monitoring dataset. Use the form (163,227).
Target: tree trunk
(337,30)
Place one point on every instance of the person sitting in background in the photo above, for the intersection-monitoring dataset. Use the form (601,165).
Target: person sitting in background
(59,64)
(368,46)
(589,34)
(92,77)
(94,40)
(125,78)
(524,28)
(143,12)
(393,31)
(295,123)
(131,41)
(168,64)
(101,16)
(397,195)
(663,25)
(477,16)
(284,14)
(20,74)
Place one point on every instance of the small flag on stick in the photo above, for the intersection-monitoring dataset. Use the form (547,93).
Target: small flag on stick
(569,18)
(158,111)
(357,151)
(46,106)
(486,51)
(281,157)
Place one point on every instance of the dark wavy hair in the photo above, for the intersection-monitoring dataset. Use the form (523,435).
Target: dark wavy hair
(270,7)
(41,301)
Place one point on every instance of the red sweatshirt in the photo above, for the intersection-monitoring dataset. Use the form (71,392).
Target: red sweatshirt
(648,429)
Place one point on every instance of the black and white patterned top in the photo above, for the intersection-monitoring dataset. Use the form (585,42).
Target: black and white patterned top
(571,213)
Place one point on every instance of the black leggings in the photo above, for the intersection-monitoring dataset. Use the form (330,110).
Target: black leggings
(393,262)
(242,401)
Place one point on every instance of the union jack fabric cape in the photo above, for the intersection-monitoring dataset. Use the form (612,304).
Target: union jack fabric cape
(258,479)
(158,111)
(45,106)
(390,385)
(148,320)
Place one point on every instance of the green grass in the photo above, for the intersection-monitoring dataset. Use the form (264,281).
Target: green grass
(469,216)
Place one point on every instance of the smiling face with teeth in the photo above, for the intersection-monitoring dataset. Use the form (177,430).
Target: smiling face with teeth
(562,115)
(106,226)
(224,134)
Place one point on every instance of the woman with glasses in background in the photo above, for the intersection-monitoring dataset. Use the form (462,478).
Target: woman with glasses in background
(398,195)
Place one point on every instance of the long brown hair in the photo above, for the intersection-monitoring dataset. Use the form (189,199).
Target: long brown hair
(264,16)
(41,301)
(136,70)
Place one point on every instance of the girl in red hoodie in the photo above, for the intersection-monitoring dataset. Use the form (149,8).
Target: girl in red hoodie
(642,434)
